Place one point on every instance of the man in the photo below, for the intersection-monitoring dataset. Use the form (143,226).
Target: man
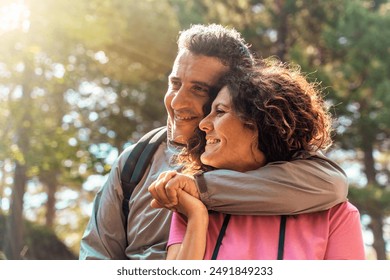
(205,54)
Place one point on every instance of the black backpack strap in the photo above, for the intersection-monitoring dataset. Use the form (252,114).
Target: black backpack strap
(220,236)
(137,162)
(147,155)
(282,235)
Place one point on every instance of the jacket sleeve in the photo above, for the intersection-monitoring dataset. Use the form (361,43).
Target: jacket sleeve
(104,236)
(306,184)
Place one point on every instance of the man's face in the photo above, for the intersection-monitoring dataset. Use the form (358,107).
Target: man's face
(190,82)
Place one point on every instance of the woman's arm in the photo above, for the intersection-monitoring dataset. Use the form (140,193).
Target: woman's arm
(193,245)
(307,184)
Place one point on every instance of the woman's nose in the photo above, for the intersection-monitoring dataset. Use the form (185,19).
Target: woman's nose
(205,124)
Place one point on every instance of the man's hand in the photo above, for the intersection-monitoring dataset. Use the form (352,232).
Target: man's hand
(165,190)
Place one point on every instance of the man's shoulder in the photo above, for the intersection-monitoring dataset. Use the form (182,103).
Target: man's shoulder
(146,138)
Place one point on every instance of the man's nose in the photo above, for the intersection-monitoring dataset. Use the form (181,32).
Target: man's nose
(181,99)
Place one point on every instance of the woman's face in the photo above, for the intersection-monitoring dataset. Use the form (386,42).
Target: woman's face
(230,144)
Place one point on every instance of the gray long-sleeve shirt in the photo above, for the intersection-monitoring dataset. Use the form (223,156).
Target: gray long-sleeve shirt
(308,184)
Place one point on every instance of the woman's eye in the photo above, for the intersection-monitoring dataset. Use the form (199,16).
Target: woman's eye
(219,112)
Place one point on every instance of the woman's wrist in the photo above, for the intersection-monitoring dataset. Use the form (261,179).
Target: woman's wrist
(198,214)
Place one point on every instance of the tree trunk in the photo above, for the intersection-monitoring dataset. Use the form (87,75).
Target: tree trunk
(2,185)
(379,244)
(14,242)
(51,184)
(282,29)
(50,207)
(375,212)
(369,161)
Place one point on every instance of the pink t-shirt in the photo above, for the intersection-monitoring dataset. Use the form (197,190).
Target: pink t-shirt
(332,234)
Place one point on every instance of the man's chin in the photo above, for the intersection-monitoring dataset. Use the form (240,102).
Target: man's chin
(179,139)
(179,136)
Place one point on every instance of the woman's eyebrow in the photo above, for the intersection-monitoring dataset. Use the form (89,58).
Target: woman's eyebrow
(224,105)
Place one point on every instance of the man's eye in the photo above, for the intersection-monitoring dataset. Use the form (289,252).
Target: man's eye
(200,88)
(175,84)
(202,91)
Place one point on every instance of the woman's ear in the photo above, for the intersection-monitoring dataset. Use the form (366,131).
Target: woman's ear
(257,154)
(251,125)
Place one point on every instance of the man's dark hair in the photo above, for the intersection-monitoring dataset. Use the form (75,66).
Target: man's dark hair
(214,40)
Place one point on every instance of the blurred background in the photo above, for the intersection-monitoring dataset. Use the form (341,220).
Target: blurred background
(82,79)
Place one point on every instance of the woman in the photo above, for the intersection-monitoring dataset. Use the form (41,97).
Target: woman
(263,115)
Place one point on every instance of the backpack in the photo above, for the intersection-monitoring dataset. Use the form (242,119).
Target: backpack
(137,163)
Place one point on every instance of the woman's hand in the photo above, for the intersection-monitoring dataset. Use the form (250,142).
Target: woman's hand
(190,206)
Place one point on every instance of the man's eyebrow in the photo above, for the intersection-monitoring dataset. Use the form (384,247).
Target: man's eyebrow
(201,84)
(171,77)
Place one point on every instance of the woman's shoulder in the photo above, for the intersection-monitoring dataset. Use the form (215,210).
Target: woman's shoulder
(345,206)
(344,209)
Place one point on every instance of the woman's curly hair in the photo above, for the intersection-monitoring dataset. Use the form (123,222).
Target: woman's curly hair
(278,101)
(288,111)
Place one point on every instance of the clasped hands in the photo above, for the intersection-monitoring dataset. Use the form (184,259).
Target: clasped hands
(174,191)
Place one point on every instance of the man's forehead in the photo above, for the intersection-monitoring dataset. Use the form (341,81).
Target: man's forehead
(197,68)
